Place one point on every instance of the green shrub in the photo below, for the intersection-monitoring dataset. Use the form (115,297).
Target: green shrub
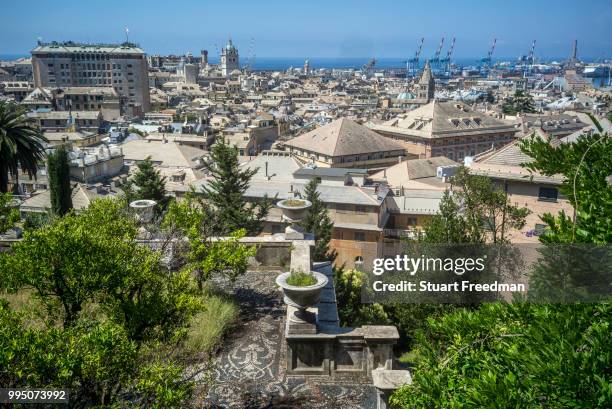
(301,279)
(513,356)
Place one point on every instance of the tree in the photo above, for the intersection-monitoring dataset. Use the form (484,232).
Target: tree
(21,144)
(96,360)
(93,257)
(520,103)
(223,195)
(9,215)
(586,167)
(351,311)
(513,356)
(317,221)
(58,167)
(146,183)
(486,209)
(207,256)
(473,213)
(524,354)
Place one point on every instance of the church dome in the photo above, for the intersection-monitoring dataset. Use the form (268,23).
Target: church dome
(405,95)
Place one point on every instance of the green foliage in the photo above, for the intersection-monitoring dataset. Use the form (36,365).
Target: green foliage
(160,385)
(209,325)
(227,257)
(69,263)
(529,355)
(585,166)
(521,355)
(36,220)
(223,196)
(301,279)
(448,225)
(146,183)
(9,215)
(596,122)
(485,208)
(351,310)
(58,167)
(520,103)
(111,310)
(317,221)
(207,256)
(21,143)
(95,360)
(89,358)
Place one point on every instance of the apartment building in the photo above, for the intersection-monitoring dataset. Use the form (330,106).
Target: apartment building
(536,192)
(70,64)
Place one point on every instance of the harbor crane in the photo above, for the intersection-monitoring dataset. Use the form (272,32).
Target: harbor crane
(446,61)
(530,57)
(529,60)
(368,67)
(487,60)
(250,62)
(412,65)
(436,59)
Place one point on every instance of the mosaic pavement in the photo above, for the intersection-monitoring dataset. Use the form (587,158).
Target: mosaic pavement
(249,372)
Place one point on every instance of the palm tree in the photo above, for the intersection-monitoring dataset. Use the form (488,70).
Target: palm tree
(21,144)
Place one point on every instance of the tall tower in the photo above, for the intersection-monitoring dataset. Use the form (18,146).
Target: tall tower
(203,58)
(229,59)
(306,66)
(427,85)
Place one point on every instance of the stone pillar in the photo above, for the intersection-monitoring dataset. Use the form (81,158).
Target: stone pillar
(386,381)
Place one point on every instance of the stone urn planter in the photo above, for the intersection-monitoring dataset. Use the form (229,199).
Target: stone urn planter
(294,211)
(143,209)
(302,297)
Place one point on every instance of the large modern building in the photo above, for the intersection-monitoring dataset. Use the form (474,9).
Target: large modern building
(121,66)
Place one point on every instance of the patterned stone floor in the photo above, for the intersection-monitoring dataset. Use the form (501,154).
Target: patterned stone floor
(249,373)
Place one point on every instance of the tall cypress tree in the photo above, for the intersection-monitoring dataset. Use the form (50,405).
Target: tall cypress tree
(227,208)
(318,222)
(58,167)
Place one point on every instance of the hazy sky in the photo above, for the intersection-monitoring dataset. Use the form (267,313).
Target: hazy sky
(312,28)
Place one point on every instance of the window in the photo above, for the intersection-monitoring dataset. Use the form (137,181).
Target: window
(361,209)
(547,194)
(412,221)
(359,236)
(359,263)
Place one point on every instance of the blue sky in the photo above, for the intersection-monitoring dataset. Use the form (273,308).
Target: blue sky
(312,28)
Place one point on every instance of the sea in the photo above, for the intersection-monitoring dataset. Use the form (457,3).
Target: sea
(284,63)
